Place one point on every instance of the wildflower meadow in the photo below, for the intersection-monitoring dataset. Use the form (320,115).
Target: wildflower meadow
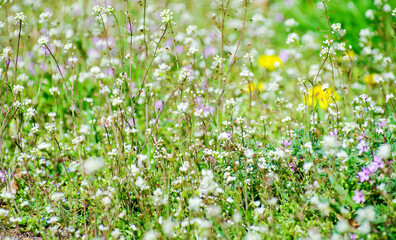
(198,119)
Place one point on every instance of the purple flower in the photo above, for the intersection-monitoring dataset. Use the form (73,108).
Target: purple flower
(364,175)
(292,167)
(379,161)
(129,28)
(286,143)
(43,67)
(131,122)
(358,198)
(372,167)
(108,71)
(284,55)
(362,146)
(352,236)
(199,100)
(334,133)
(229,134)
(179,49)
(154,27)
(204,85)
(158,105)
(169,43)
(381,124)
(289,2)
(2,176)
(62,68)
(31,68)
(210,51)
(279,17)
(361,137)
(207,110)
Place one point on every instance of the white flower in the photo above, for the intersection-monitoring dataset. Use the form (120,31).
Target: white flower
(217,61)
(103,227)
(307,166)
(53,219)
(195,203)
(185,75)
(159,198)
(20,17)
(116,233)
(43,40)
(45,16)
(251,235)
(57,196)
(191,30)
(365,214)
(246,73)
(15,219)
(4,212)
(237,217)
(17,89)
(84,129)
(67,47)
(167,226)
(140,183)
(223,136)
(150,235)
(249,153)
(30,112)
(182,107)
(213,211)
(98,9)
(44,145)
(109,9)
(364,228)
(230,103)
(370,14)
(290,22)
(384,151)
(117,101)
(208,185)
(166,16)
(342,226)
(133,227)
(73,166)
(314,234)
(106,201)
(161,72)
(330,144)
(24,203)
(93,164)
(292,38)
(6,53)
(336,27)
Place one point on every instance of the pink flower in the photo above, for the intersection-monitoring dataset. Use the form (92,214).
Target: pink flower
(364,175)
(158,105)
(379,161)
(373,167)
(358,198)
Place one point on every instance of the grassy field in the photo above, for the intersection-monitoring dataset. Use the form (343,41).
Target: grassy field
(222,119)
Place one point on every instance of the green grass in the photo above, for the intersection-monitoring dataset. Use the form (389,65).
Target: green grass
(120,153)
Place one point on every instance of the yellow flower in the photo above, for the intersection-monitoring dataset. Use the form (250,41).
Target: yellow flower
(270,62)
(323,97)
(251,87)
(369,79)
(347,56)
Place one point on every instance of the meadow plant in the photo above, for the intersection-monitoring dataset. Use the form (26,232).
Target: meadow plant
(226,119)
